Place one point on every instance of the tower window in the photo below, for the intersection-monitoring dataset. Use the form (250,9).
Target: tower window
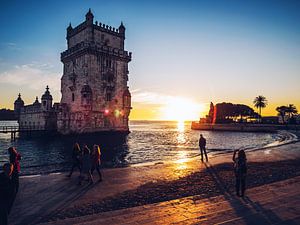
(73,97)
(108,97)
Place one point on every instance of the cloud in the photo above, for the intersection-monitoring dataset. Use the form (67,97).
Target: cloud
(10,46)
(34,76)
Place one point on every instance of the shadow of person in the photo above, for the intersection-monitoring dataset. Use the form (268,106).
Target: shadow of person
(246,211)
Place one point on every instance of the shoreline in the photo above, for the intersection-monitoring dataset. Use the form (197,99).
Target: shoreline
(243,127)
(212,154)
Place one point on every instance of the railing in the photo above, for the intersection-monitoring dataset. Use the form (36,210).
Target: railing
(9,129)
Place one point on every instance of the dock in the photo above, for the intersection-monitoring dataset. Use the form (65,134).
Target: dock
(13,130)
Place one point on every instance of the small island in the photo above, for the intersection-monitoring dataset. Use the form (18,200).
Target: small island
(242,118)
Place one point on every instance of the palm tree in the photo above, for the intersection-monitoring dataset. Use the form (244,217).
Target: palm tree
(282,110)
(260,102)
(291,110)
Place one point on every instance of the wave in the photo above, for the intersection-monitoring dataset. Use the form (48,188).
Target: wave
(283,138)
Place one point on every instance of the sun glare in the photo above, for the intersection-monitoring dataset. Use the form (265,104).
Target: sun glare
(181,109)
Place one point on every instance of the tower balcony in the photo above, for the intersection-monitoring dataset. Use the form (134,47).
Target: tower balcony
(84,47)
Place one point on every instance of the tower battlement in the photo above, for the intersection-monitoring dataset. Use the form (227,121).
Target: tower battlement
(99,26)
(94,32)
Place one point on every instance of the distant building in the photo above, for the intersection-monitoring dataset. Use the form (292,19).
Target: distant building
(37,116)
(95,95)
(270,119)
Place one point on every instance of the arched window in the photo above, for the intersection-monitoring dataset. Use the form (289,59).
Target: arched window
(86,95)
(126,98)
(108,97)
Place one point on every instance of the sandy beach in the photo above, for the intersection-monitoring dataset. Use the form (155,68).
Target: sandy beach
(54,197)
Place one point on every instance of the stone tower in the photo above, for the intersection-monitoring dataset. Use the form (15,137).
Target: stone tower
(95,95)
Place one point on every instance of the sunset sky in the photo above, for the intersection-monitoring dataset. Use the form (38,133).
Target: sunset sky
(185,53)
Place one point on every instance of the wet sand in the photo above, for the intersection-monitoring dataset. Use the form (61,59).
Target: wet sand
(55,197)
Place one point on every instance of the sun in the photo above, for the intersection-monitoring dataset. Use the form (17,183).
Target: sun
(181,109)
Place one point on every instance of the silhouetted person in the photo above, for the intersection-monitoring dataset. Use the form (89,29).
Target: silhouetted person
(240,170)
(76,159)
(86,166)
(202,145)
(7,192)
(14,158)
(96,161)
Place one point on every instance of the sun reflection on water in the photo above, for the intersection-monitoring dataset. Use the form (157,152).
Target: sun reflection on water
(180,126)
(181,135)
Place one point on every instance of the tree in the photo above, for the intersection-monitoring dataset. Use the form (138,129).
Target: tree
(228,112)
(260,102)
(291,110)
(282,110)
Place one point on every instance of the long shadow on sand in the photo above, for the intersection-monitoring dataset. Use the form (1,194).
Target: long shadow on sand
(209,182)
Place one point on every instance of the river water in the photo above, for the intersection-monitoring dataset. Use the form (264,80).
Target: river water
(148,142)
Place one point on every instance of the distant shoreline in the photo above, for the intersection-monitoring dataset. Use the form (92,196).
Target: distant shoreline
(243,127)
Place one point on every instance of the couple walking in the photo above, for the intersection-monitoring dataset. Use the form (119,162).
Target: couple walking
(86,161)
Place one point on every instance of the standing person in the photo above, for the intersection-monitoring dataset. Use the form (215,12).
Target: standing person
(86,165)
(96,161)
(240,170)
(7,192)
(14,158)
(76,157)
(202,145)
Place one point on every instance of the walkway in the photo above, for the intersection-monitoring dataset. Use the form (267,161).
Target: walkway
(277,203)
(39,196)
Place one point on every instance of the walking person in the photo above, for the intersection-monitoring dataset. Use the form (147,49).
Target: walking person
(14,158)
(7,192)
(86,166)
(96,161)
(240,170)
(202,146)
(76,159)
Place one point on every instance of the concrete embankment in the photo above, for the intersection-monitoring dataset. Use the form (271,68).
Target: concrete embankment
(243,127)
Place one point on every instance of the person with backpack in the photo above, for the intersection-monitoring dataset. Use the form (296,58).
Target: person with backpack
(240,171)
(86,166)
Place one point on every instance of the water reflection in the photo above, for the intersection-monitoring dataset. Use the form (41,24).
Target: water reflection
(181,134)
(180,126)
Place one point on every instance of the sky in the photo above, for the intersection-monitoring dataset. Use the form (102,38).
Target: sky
(185,54)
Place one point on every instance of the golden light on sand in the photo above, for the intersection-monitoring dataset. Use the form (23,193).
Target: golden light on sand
(182,109)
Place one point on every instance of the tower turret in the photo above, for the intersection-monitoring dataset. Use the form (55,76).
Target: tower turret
(89,17)
(36,102)
(122,32)
(19,103)
(47,100)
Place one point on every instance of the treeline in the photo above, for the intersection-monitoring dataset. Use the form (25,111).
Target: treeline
(228,112)
(7,114)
